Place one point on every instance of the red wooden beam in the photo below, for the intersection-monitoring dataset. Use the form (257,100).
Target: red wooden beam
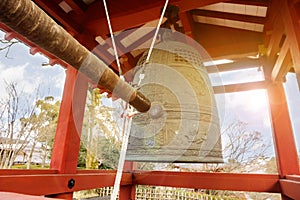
(245,63)
(240,87)
(187,22)
(125,33)
(283,18)
(232,42)
(48,184)
(128,191)
(290,14)
(15,196)
(293,178)
(291,186)
(59,15)
(285,147)
(273,45)
(283,62)
(67,139)
(94,171)
(264,3)
(273,21)
(230,16)
(141,41)
(74,6)
(186,5)
(137,17)
(26,171)
(127,63)
(216,181)
(122,52)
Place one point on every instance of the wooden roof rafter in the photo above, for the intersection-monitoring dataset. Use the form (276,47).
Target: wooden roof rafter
(238,64)
(55,11)
(264,3)
(284,43)
(230,16)
(187,22)
(140,16)
(233,41)
(77,9)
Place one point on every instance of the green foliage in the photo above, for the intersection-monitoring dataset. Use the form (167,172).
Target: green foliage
(42,123)
(271,166)
(48,111)
(25,124)
(82,156)
(100,144)
(31,167)
(145,166)
(107,157)
(110,153)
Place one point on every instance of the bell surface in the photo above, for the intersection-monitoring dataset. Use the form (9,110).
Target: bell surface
(182,124)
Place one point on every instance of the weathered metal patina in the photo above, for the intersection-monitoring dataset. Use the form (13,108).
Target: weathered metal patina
(182,124)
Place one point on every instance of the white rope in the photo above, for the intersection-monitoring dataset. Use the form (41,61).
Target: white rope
(112,38)
(126,132)
(142,75)
(128,116)
(156,31)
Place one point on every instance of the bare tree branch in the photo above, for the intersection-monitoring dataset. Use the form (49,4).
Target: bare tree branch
(6,45)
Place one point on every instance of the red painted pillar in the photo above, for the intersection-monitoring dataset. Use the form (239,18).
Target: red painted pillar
(127,192)
(283,136)
(67,139)
(285,147)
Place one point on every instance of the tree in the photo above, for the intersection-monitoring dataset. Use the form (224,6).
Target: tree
(109,153)
(245,150)
(23,125)
(14,131)
(100,136)
(44,121)
(271,166)
(6,45)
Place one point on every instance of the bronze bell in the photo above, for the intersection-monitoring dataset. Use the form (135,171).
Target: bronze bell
(182,124)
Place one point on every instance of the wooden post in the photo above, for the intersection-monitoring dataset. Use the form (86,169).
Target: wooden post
(285,148)
(127,192)
(284,141)
(67,139)
(286,153)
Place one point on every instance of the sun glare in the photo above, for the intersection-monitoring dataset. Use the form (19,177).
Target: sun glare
(255,101)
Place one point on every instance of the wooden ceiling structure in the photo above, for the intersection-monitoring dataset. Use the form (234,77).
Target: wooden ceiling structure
(251,33)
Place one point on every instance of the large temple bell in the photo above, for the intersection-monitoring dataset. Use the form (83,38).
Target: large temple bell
(182,124)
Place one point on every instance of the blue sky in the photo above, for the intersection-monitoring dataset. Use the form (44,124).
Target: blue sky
(250,107)
(293,97)
(27,71)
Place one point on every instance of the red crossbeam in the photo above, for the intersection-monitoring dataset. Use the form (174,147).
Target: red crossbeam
(46,184)
(216,181)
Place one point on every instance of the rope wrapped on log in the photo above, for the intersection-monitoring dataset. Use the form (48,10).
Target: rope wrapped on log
(26,18)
